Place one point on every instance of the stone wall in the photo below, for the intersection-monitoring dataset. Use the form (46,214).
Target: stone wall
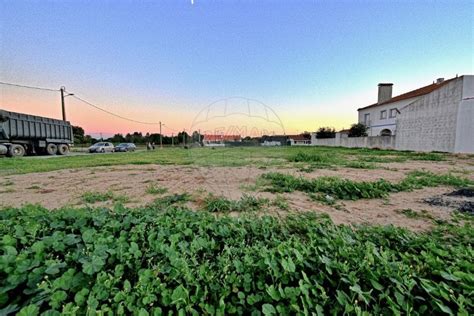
(430,122)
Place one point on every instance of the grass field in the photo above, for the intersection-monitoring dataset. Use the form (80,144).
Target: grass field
(310,157)
(247,231)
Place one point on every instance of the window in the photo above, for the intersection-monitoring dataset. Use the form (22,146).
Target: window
(367,119)
(393,113)
(383,114)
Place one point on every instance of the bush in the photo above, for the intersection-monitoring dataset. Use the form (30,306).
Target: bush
(326,132)
(358,130)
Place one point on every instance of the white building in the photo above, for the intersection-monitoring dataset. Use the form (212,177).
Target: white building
(441,120)
(380,117)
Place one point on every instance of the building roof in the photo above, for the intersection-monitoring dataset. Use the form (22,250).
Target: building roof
(218,138)
(412,94)
(299,137)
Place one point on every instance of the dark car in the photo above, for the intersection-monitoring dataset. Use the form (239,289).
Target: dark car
(123,147)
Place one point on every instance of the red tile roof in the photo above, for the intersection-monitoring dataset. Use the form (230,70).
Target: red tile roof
(415,93)
(218,138)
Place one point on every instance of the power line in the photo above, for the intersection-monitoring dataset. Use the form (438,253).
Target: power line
(29,87)
(86,102)
(111,113)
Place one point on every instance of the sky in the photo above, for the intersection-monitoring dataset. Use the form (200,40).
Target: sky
(309,63)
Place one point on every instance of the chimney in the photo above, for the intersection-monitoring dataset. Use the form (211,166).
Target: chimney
(385,92)
(439,80)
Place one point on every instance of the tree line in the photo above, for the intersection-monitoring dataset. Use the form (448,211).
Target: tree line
(137,138)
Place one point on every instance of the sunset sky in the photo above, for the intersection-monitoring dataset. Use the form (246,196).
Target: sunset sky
(313,63)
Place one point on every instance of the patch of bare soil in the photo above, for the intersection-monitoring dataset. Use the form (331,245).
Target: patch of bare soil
(66,188)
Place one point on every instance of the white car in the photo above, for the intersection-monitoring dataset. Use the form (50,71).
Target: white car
(101,147)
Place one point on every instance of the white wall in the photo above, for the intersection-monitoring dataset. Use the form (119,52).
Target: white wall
(383,142)
(465,118)
(430,122)
(377,124)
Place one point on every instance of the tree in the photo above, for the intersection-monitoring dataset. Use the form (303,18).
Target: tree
(358,130)
(117,138)
(326,132)
(78,133)
(181,135)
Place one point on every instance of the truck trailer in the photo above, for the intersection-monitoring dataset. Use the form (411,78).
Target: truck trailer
(22,134)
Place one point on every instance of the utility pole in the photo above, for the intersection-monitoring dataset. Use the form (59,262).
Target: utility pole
(161,138)
(172,139)
(63,89)
(62,103)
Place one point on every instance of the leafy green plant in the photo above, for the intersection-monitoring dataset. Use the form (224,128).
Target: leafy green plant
(158,260)
(247,203)
(281,202)
(169,200)
(352,190)
(414,214)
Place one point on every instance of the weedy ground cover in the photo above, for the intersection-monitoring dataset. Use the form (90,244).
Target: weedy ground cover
(154,189)
(247,203)
(94,197)
(228,156)
(352,190)
(155,260)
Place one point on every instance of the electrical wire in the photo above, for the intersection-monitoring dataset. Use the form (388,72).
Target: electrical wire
(29,87)
(111,113)
(88,103)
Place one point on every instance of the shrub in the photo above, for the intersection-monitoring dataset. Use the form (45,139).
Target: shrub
(326,132)
(358,130)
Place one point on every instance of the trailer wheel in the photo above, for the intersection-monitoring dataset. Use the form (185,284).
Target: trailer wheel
(63,149)
(51,149)
(16,151)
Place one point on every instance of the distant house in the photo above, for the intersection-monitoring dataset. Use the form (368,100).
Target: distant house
(286,140)
(220,140)
(380,117)
(301,140)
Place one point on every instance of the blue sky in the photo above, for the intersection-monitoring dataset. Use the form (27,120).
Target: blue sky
(313,62)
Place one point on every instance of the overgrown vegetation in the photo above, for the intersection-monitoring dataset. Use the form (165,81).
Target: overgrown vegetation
(94,197)
(154,189)
(352,190)
(242,156)
(414,214)
(152,261)
(247,203)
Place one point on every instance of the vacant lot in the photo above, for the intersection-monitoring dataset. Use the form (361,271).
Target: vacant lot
(138,179)
(238,231)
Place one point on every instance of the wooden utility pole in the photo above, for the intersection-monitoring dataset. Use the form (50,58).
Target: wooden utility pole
(62,103)
(172,139)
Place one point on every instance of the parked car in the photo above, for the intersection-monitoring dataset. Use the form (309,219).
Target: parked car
(101,147)
(123,147)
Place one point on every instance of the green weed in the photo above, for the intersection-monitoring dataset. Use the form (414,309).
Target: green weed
(153,189)
(247,203)
(94,197)
(414,214)
(352,190)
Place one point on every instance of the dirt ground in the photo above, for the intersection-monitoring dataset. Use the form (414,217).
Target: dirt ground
(66,187)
